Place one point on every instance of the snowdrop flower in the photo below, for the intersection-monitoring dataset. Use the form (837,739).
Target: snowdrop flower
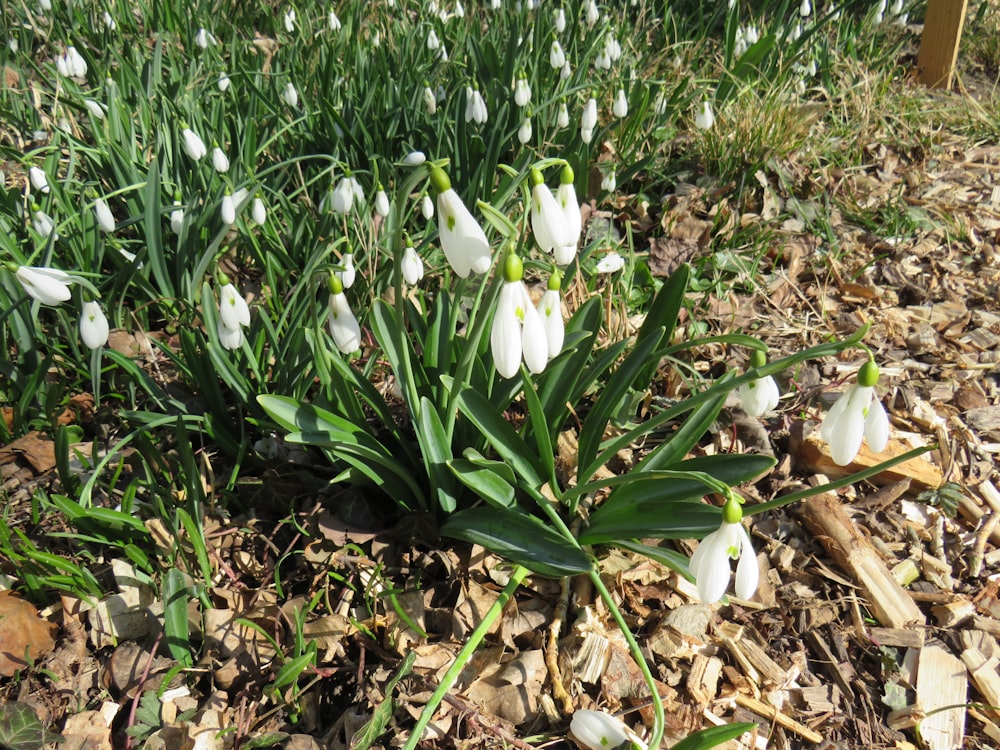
(557,58)
(430,101)
(39,180)
(567,200)
(462,239)
(550,311)
(349,273)
(342,197)
(588,121)
(177,218)
(411,265)
(96,109)
(602,61)
(805,9)
(44,224)
(433,43)
(548,222)
(71,64)
(427,207)
(562,116)
(857,415)
(610,263)
(524,132)
(290,96)
(414,159)
(234,314)
(105,219)
(598,730)
(220,162)
(896,8)
(228,208)
(223,83)
(459,11)
(290,20)
(566,71)
(705,119)
(710,562)
(332,21)
(193,145)
(591,14)
(344,326)
(761,395)
(94,329)
(517,330)
(560,19)
(45,5)
(204,38)
(475,106)
(610,180)
(613,47)
(620,107)
(381,202)
(50,286)
(522,91)
(258,211)
(796,33)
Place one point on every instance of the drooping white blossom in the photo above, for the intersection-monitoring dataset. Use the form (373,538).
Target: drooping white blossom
(50,286)
(193,145)
(518,331)
(710,564)
(94,329)
(105,219)
(462,238)
(857,415)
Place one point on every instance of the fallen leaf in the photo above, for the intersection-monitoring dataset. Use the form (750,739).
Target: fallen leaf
(38,450)
(24,636)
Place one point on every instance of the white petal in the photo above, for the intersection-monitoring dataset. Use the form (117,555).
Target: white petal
(412,266)
(50,286)
(344,326)
(759,396)
(233,309)
(94,328)
(220,162)
(597,730)
(230,338)
(462,239)
(567,200)
(105,219)
(747,569)
(228,210)
(548,222)
(550,310)
(877,427)
(534,345)
(259,211)
(505,336)
(610,263)
(846,438)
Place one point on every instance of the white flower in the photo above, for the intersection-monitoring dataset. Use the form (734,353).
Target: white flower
(567,200)
(610,263)
(349,273)
(548,222)
(94,328)
(290,96)
(344,326)
(610,180)
(381,203)
(44,225)
(414,159)
(194,146)
(105,219)
(524,132)
(459,11)
(71,64)
(50,286)
(710,563)
(806,8)
(411,266)
(522,91)
(759,396)
(39,180)
(550,311)
(204,38)
(557,58)
(342,196)
(220,162)
(475,106)
(177,219)
(230,338)
(233,309)
(591,14)
(258,211)
(560,20)
(433,42)
(290,20)
(562,117)
(427,207)
(620,106)
(597,730)
(857,415)
(223,83)
(462,239)
(333,21)
(228,209)
(705,119)
(96,109)
(109,21)
(588,121)
(517,331)
(430,101)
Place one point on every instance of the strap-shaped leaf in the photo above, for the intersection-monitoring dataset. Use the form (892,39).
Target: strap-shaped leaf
(651,517)
(713,736)
(486,483)
(520,538)
(437,452)
(695,425)
(502,436)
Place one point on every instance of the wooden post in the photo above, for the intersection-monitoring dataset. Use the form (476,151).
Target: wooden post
(939,43)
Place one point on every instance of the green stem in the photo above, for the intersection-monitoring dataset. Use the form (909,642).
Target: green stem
(633,646)
(448,681)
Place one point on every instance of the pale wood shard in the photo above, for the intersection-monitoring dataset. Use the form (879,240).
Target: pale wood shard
(953,613)
(703,680)
(770,713)
(942,690)
(887,600)
(899,637)
(840,673)
(983,672)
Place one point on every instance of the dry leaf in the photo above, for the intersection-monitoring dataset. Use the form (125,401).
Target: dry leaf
(38,450)
(24,636)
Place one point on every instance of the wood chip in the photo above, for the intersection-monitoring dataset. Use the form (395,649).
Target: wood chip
(942,693)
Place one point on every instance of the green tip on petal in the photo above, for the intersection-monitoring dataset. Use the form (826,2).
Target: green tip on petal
(731,511)
(555,282)
(440,180)
(758,358)
(868,374)
(513,268)
(536,177)
(566,176)
(335,285)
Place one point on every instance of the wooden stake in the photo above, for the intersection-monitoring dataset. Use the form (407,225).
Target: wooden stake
(939,43)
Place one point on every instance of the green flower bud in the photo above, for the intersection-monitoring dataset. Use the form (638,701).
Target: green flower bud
(868,374)
(758,358)
(535,177)
(513,268)
(440,180)
(335,285)
(566,176)
(555,282)
(731,511)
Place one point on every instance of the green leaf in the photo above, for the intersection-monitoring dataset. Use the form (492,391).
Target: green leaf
(713,736)
(175,615)
(375,727)
(437,452)
(651,517)
(502,436)
(290,670)
(675,447)
(520,538)
(20,728)
(665,308)
(486,483)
